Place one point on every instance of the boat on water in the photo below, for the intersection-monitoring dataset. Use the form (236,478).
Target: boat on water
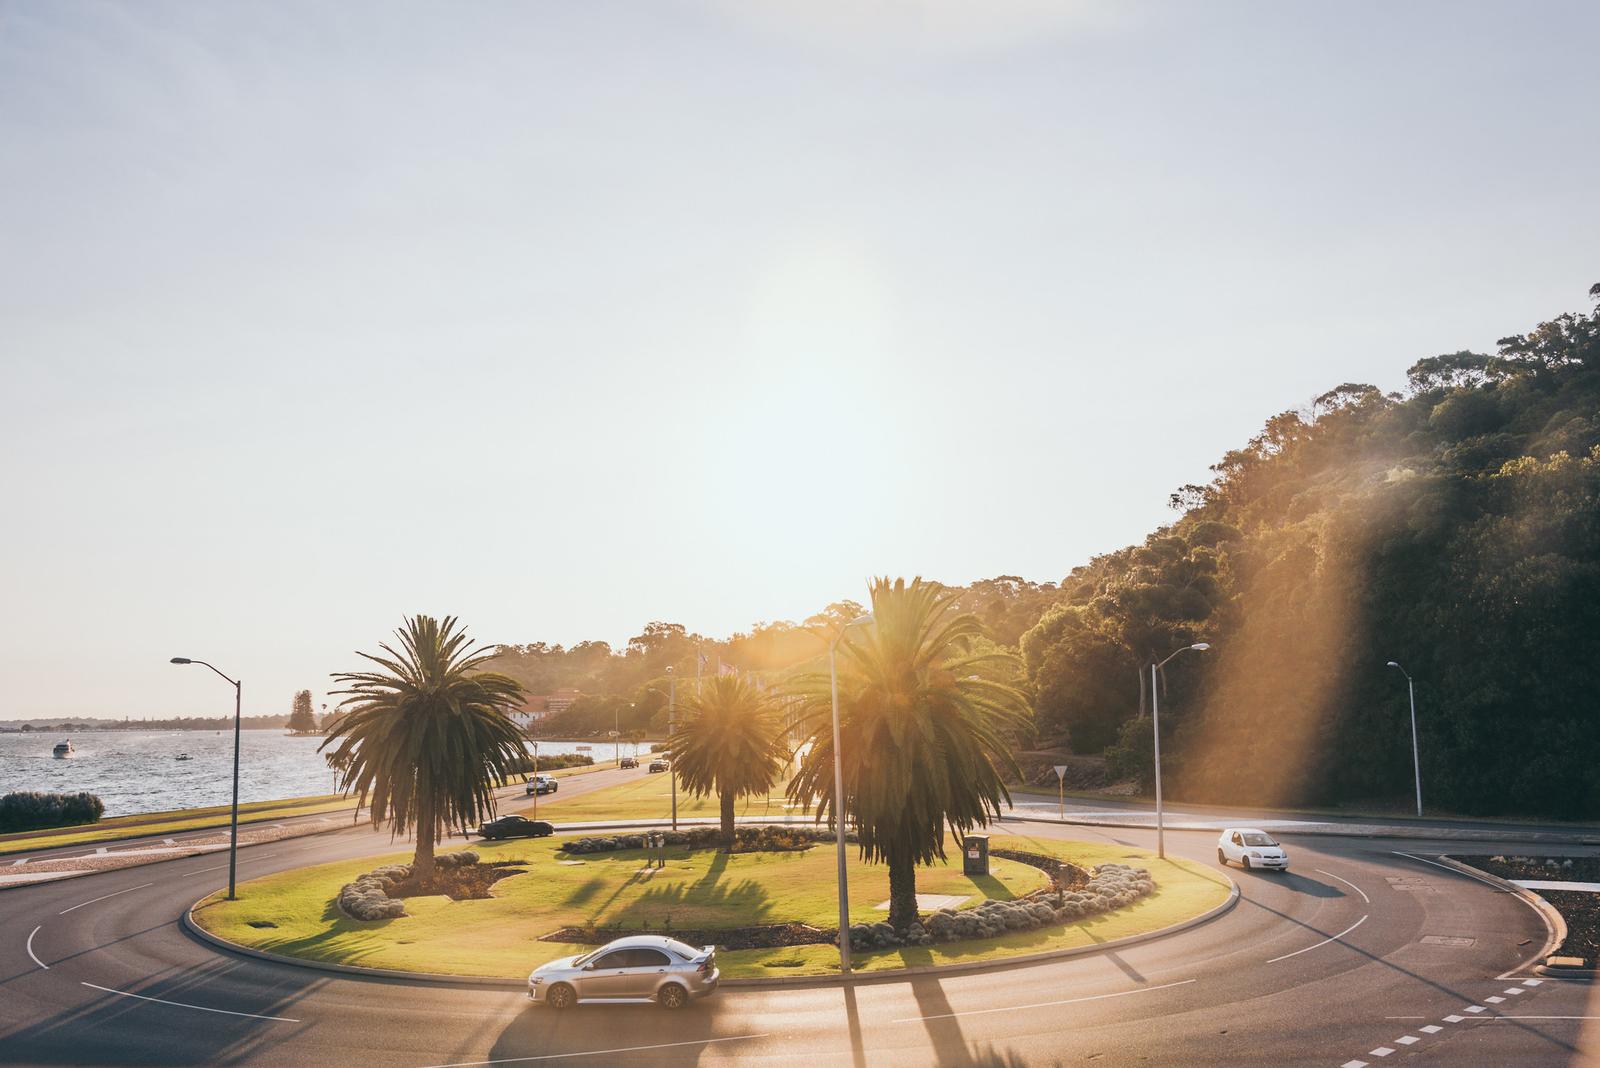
(183,756)
(62,750)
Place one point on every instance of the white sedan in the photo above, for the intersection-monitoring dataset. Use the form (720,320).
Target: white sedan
(1250,848)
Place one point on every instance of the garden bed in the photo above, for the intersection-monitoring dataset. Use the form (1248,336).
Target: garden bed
(770,936)
(1579,908)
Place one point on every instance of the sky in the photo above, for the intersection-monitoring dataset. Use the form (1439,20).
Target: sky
(563,318)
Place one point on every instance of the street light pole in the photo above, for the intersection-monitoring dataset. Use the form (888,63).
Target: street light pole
(535,779)
(672,765)
(1155,723)
(838,796)
(1416,760)
(233,830)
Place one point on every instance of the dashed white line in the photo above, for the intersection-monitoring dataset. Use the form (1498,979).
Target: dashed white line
(603,1052)
(1407,1040)
(219,867)
(1346,882)
(1494,1001)
(31,953)
(1381,1051)
(1454,1019)
(1515,990)
(1042,1004)
(1430,1029)
(185,1005)
(92,900)
(1531,982)
(1354,1064)
(1324,942)
(1476,1008)
(19,863)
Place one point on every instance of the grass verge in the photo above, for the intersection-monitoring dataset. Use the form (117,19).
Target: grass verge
(292,913)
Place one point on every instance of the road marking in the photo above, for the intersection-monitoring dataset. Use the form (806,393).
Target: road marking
(603,1052)
(1475,1008)
(1407,1040)
(1494,1001)
(100,851)
(168,841)
(1381,1051)
(31,953)
(19,863)
(1354,1064)
(1454,1019)
(1430,1029)
(92,900)
(1530,982)
(1324,942)
(1042,1004)
(1522,1017)
(184,1005)
(219,867)
(1515,990)
(1346,882)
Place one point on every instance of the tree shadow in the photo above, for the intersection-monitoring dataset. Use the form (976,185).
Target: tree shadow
(581,894)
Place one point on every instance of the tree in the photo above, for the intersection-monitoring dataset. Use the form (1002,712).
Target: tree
(429,736)
(301,718)
(924,725)
(728,741)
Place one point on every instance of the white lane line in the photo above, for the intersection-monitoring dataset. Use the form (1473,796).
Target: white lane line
(19,863)
(1324,942)
(1407,1040)
(1354,1064)
(168,841)
(604,1052)
(1381,1051)
(1494,1001)
(219,867)
(31,953)
(1530,982)
(100,851)
(1042,1004)
(1454,1019)
(1431,1029)
(185,1005)
(1476,1008)
(1346,882)
(92,900)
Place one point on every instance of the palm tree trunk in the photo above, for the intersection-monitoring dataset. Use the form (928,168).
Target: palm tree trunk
(727,821)
(902,892)
(422,862)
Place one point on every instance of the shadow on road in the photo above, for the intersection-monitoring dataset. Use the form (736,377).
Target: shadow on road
(644,1034)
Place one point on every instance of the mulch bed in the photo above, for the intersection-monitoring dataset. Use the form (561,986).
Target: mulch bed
(466,883)
(1579,908)
(770,936)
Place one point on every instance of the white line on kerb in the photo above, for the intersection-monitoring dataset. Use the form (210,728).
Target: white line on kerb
(31,953)
(1324,942)
(92,900)
(1346,882)
(602,1052)
(184,1005)
(1042,1004)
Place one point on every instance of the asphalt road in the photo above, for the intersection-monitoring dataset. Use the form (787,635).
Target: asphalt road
(1359,949)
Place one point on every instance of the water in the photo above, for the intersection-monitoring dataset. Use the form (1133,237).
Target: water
(136,771)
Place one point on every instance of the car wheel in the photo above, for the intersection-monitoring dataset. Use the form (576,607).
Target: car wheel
(672,996)
(561,996)
(1246,863)
(1222,858)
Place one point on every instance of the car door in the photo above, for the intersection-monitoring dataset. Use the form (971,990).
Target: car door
(1236,847)
(606,976)
(646,967)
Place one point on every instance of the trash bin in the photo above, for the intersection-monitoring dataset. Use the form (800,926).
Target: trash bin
(976,855)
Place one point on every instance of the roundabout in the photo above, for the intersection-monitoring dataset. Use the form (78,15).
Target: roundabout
(768,910)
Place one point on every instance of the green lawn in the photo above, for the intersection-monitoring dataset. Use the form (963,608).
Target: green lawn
(498,936)
(649,797)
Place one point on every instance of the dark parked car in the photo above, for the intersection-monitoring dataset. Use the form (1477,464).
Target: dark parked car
(514,827)
(658,765)
(627,762)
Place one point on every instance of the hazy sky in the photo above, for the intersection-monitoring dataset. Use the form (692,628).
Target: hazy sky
(564,317)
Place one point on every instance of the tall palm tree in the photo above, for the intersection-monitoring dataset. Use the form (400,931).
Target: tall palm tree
(728,741)
(924,721)
(429,736)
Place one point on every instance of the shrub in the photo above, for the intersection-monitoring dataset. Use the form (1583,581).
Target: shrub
(30,810)
(555,762)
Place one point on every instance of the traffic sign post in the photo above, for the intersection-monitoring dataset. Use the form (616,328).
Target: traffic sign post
(1061,790)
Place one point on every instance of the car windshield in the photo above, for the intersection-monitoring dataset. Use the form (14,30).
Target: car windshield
(1258,840)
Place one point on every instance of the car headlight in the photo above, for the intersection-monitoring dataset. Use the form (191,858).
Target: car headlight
(1254,855)
(535,980)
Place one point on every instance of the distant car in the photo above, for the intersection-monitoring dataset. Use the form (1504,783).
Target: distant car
(628,762)
(542,784)
(514,827)
(637,968)
(658,765)
(1250,848)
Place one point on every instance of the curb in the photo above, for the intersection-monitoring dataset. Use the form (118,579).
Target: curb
(189,925)
(1555,924)
(1325,831)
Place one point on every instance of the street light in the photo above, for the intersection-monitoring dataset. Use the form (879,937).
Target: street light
(1155,721)
(1416,761)
(838,795)
(233,834)
(672,765)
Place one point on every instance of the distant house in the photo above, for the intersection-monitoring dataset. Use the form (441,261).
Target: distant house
(542,706)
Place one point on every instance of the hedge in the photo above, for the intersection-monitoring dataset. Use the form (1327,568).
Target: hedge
(30,810)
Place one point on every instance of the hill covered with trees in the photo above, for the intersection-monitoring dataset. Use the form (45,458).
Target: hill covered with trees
(1454,528)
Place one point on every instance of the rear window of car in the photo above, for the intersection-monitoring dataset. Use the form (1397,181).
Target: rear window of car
(685,951)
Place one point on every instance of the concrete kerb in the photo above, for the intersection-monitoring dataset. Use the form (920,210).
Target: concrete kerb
(1555,925)
(1436,834)
(201,934)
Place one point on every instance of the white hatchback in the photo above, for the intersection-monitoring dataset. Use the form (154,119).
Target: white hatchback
(1250,848)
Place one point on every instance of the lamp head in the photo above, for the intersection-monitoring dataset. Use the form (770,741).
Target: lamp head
(1200,647)
(181,660)
(1393,664)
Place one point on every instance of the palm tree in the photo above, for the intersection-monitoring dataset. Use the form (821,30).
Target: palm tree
(428,736)
(924,723)
(728,741)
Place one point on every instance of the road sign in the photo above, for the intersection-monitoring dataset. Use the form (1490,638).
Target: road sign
(1061,771)
(1061,790)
